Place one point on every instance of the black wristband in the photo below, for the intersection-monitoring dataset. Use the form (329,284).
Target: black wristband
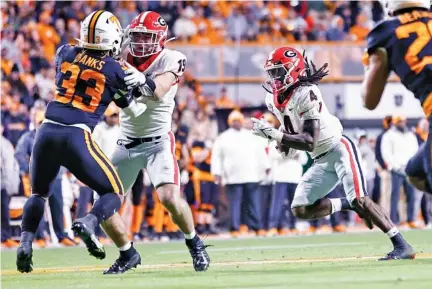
(151,84)
(124,100)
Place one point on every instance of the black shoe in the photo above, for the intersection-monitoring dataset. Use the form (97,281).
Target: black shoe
(200,258)
(86,232)
(24,260)
(400,253)
(123,264)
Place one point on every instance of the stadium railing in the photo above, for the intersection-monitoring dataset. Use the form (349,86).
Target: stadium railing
(243,62)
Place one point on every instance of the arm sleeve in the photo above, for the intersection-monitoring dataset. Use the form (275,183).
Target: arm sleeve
(308,103)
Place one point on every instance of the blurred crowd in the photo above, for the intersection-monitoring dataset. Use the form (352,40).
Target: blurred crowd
(33,30)
(240,197)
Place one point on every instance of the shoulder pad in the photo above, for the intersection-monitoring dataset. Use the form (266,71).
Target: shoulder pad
(174,61)
(380,35)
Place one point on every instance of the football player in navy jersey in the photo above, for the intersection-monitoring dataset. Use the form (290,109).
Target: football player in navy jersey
(88,78)
(402,43)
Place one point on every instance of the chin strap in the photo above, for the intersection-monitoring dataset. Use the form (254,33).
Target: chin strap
(171,39)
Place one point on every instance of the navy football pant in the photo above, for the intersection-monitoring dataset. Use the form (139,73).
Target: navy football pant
(73,148)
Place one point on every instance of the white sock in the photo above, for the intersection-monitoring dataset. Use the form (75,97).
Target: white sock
(336,205)
(126,247)
(392,232)
(190,236)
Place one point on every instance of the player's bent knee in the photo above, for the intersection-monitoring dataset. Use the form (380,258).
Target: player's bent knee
(168,194)
(300,212)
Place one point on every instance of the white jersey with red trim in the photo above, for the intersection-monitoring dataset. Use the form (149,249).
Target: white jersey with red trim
(306,102)
(156,120)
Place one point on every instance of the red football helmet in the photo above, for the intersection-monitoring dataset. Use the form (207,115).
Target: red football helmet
(147,33)
(284,66)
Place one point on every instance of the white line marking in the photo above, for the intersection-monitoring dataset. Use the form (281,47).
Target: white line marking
(253,248)
(100,268)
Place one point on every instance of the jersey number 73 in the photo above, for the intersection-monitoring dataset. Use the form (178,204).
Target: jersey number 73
(84,88)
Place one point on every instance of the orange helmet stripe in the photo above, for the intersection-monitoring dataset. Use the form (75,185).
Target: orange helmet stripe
(91,30)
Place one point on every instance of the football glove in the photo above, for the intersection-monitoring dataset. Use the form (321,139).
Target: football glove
(134,77)
(264,129)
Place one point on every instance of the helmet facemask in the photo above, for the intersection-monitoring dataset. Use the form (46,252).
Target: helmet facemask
(144,44)
(279,77)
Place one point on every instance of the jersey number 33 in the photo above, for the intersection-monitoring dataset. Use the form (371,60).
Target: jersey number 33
(83,88)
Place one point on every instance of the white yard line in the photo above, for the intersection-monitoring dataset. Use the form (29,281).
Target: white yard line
(215,264)
(275,247)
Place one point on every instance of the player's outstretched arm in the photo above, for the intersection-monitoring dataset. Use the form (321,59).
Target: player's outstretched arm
(128,104)
(305,141)
(153,88)
(375,79)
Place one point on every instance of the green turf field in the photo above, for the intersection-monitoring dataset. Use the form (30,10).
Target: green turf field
(320,261)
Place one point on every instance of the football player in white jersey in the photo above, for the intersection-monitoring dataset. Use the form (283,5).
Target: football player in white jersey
(307,125)
(147,141)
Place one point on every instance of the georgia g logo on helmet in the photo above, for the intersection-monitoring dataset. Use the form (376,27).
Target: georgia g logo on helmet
(161,22)
(290,53)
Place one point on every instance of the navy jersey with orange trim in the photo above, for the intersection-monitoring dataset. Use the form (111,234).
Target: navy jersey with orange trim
(407,40)
(86,83)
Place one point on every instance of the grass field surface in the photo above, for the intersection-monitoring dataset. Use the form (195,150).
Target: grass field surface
(320,261)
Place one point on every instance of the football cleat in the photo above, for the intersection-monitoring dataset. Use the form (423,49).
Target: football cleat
(87,234)
(122,264)
(197,250)
(24,260)
(399,253)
